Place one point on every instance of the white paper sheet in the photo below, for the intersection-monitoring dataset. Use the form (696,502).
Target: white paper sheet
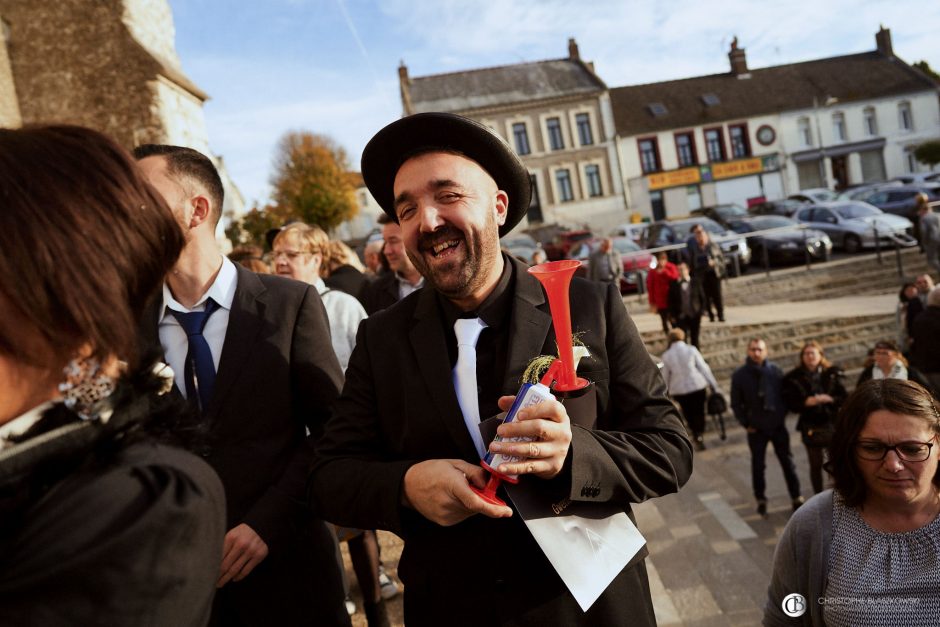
(587,553)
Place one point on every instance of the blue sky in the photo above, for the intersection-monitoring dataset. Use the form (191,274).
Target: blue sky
(330,66)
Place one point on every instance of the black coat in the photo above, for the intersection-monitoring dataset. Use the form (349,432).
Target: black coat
(100,525)
(347,279)
(697,298)
(277,378)
(380,293)
(925,341)
(913,374)
(399,407)
(798,386)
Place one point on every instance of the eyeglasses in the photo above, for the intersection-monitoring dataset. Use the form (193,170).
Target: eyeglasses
(290,254)
(875,451)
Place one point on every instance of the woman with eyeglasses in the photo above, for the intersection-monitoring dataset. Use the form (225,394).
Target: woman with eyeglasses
(868,551)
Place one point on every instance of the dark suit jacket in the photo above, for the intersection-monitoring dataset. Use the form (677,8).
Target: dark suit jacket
(348,279)
(674,297)
(399,407)
(277,377)
(380,293)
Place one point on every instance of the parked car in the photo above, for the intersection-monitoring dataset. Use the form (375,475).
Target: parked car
(562,242)
(521,246)
(900,200)
(784,207)
(789,243)
(858,192)
(722,214)
(851,224)
(815,194)
(666,232)
(917,178)
(636,261)
(635,231)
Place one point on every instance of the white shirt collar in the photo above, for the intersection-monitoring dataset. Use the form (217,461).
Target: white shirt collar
(222,291)
(320,285)
(21,424)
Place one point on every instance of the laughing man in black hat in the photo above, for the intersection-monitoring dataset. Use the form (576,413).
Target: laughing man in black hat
(405,442)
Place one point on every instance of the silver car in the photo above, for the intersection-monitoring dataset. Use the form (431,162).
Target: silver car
(852,225)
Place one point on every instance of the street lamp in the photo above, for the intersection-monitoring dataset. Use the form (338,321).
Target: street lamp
(830,100)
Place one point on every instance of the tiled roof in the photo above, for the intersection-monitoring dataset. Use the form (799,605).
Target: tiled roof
(768,90)
(506,85)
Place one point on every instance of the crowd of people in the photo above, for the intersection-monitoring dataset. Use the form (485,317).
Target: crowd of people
(184,435)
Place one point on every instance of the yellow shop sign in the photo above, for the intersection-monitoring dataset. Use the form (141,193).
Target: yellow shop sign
(674,178)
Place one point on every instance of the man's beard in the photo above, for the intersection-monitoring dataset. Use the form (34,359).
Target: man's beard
(458,279)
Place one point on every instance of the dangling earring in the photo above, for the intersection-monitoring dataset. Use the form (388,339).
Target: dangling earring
(86,389)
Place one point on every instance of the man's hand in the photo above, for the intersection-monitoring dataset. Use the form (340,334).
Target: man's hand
(242,550)
(439,489)
(548,427)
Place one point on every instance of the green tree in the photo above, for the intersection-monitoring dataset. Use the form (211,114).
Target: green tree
(924,67)
(928,152)
(311,180)
(252,227)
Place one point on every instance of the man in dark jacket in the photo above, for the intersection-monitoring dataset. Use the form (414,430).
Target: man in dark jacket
(707,263)
(925,340)
(686,302)
(757,402)
(404,445)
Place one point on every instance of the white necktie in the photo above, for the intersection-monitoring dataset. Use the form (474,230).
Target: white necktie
(468,331)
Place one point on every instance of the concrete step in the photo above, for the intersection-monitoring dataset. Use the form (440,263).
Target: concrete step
(846,341)
(844,277)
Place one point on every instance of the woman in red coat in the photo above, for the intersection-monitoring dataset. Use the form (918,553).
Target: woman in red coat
(657,287)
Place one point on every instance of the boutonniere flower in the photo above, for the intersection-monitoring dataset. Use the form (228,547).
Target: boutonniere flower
(540,364)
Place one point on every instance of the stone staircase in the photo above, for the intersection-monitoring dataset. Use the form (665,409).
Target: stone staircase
(860,274)
(846,341)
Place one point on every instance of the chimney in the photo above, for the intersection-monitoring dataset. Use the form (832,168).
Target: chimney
(738,59)
(404,84)
(883,39)
(573,53)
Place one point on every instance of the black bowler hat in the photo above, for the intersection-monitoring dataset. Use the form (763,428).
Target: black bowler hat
(402,139)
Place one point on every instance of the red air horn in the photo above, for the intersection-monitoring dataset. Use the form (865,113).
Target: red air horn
(555,277)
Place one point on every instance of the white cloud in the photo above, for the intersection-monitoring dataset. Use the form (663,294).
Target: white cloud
(347,87)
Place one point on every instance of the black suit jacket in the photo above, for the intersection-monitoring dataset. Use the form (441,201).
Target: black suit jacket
(277,377)
(399,407)
(380,293)
(347,279)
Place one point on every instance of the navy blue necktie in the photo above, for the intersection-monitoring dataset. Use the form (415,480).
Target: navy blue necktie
(200,369)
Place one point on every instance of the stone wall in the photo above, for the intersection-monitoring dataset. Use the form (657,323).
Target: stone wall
(109,64)
(9,105)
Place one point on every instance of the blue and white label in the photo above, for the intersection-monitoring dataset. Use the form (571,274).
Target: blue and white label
(529,394)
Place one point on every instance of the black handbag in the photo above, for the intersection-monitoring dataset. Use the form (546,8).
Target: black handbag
(716,404)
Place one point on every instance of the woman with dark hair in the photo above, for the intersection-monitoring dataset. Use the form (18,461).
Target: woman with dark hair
(868,552)
(100,523)
(815,391)
(889,363)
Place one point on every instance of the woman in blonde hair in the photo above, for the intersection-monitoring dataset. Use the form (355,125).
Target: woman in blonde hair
(687,378)
(815,391)
(343,271)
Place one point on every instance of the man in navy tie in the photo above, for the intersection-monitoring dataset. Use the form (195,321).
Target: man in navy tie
(252,354)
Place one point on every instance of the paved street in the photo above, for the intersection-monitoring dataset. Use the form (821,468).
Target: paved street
(710,553)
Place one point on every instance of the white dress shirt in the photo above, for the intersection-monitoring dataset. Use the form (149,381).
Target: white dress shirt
(173,337)
(345,313)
